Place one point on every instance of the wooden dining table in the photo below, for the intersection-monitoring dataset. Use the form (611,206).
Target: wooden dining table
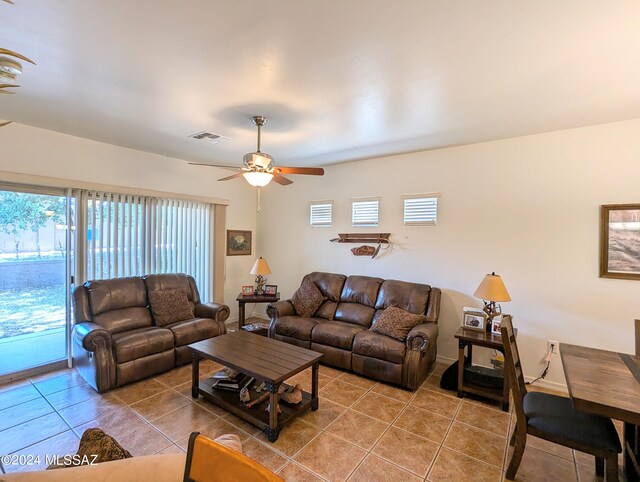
(604,383)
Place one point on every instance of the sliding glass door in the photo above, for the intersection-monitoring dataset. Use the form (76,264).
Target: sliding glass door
(34,281)
(52,238)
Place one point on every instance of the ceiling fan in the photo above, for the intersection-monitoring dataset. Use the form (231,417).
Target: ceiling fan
(258,168)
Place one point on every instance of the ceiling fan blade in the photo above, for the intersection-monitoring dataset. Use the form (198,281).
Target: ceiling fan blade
(217,165)
(312,171)
(232,176)
(17,55)
(283,181)
(2,124)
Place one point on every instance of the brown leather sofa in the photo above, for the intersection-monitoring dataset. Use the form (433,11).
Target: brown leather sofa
(340,327)
(115,340)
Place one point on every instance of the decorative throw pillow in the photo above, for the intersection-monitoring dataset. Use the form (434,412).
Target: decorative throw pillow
(170,306)
(95,447)
(397,323)
(307,299)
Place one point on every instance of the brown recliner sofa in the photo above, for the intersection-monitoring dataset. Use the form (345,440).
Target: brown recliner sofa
(115,339)
(340,327)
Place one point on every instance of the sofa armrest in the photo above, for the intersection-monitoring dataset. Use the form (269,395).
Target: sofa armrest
(423,336)
(280,308)
(215,311)
(91,336)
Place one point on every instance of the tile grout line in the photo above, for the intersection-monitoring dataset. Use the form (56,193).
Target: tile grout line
(324,430)
(441,444)
(390,425)
(367,391)
(55,410)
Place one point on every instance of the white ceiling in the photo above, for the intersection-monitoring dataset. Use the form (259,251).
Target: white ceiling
(339,80)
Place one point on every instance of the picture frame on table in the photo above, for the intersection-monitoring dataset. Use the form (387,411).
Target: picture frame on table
(474,319)
(247,290)
(270,290)
(495,325)
(620,241)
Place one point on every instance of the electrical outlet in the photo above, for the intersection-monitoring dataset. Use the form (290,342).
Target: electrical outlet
(552,346)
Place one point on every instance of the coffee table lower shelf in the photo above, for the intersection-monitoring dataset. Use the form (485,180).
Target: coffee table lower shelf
(256,415)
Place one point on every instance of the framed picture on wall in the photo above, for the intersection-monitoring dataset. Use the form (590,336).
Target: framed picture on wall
(620,241)
(238,243)
(474,319)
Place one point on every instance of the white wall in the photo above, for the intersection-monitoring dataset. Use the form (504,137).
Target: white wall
(41,152)
(526,208)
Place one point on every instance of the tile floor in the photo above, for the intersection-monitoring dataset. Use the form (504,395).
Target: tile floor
(363,431)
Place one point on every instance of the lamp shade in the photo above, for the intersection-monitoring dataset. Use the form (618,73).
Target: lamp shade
(492,289)
(260,267)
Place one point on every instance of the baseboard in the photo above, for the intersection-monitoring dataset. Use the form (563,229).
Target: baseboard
(559,387)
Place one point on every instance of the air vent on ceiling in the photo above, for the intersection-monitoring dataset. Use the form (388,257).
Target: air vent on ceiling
(209,137)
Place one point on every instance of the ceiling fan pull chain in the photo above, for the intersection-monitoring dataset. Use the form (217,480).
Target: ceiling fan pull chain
(258,210)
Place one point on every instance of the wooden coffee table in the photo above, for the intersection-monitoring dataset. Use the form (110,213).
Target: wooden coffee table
(267,360)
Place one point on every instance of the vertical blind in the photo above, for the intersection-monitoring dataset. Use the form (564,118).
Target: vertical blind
(321,213)
(131,235)
(365,212)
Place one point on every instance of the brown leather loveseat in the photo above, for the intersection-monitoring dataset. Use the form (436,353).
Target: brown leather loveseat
(340,327)
(116,339)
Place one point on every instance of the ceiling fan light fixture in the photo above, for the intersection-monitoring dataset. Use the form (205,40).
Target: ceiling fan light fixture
(259,159)
(257,178)
(9,69)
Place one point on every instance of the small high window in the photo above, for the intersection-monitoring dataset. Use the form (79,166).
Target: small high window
(421,210)
(365,212)
(321,213)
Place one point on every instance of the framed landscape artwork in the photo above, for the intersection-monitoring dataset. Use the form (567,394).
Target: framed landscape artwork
(620,241)
(238,243)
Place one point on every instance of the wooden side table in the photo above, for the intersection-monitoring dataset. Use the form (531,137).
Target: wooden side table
(242,300)
(469,338)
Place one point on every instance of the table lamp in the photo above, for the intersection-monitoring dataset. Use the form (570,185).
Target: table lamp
(490,291)
(260,268)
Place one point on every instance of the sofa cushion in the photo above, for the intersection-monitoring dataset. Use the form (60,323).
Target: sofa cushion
(307,299)
(116,294)
(397,323)
(354,313)
(158,282)
(170,306)
(335,333)
(329,284)
(118,321)
(119,304)
(361,289)
(412,297)
(190,331)
(374,345)
(134,344)
(296,327)
(327,310)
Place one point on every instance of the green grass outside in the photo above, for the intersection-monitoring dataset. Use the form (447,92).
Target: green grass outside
(31,310)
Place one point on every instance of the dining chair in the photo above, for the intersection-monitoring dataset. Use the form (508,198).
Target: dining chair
(210,461)
(630,431)
(552,418)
